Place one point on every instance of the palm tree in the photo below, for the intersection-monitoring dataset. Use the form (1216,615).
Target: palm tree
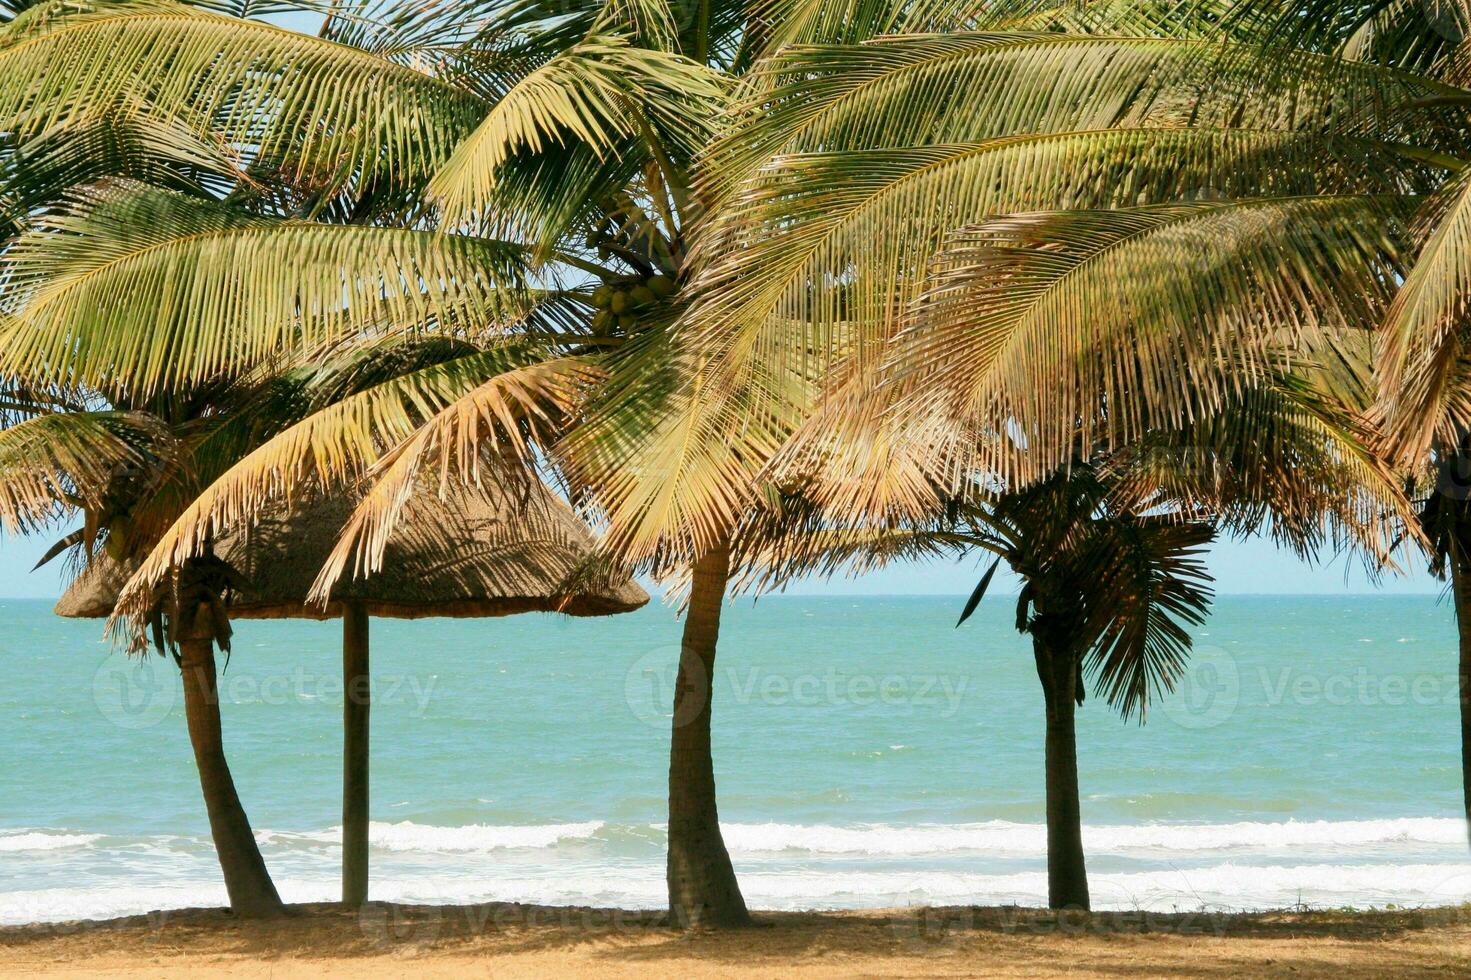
(1111,582)
(192,619)
(69,449)
(560,151)
(126,468)
(1108,593)
(850,302)
(1309,160)
(745,281)
(1109,548)
(1220,228)
(116,467)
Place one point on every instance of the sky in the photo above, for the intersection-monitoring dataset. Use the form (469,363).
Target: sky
(1251,567)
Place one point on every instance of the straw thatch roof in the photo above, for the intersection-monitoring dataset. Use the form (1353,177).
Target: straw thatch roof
(476,553)
(94,592)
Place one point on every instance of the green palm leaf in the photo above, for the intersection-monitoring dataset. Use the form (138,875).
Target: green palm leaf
(133,144)
(1085,328)
(290,98)
(596,97)
(656,452)
(1424,380)
(896,92)
(52,458)
(874,217)
(1148,584)
(146,289)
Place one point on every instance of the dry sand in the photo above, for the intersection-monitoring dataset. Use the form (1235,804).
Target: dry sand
(530,941)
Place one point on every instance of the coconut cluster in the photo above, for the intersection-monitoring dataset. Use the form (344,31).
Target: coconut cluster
(621,303)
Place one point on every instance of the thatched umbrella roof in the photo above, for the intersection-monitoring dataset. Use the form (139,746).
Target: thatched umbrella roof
(506,548)
(94,592)
(476,553)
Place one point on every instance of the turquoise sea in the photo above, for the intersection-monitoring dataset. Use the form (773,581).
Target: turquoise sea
(867,754)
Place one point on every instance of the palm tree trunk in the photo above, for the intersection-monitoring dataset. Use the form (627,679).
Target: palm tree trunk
(356,702)
(252,893)
(702,883)
(1461,592)
(1067,877)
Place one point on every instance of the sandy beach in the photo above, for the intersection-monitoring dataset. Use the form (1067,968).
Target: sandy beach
(506,940)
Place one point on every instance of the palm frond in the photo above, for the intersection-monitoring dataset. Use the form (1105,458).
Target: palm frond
(594,97)
(1116,18)
(483,436)
(893,92)
(1150,585)
(50,459)
(1423,375)
(283,95)
(1071,330)
(133,144)
(871,219)
(774,557)
(142,289)
(1287,458)
(335,447)
(655,455)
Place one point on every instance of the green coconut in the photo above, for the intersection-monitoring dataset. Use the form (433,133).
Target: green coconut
(661,286)
(621,302)
(627,321)
(117,538)
(642,295)
(602,296)
(602,320)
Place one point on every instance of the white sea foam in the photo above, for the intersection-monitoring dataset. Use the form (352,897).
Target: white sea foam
(1004,837)
(1226,886)
(1221,886)
(106,902)
(1242,865)
(43,840)
(409,836)
(997,837)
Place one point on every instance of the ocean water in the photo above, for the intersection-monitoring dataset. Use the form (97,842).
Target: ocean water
(867,753)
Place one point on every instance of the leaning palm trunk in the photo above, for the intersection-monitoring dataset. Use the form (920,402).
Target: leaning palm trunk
(1460,564)
(252,893)
(702,883)
(1446,518)
(1067,878)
